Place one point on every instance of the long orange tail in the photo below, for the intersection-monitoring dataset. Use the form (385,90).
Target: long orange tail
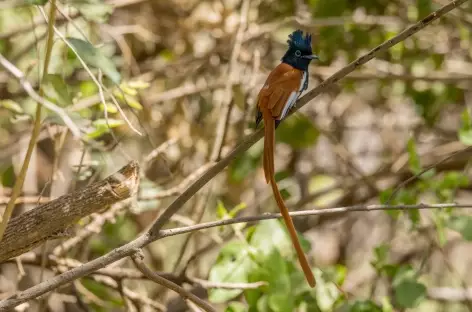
(268,164)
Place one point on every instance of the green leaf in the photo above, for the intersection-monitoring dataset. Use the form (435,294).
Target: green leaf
(138,84)
(233,266)
(221,211)
(270,235)
(439,218)
(36,2)
(365,306)
(326,292)
(380,256)
(111,108)
(12,106)
(298,131)
(280,302)
(8,176)
(424,7)
(245,163)
(56,89)
(101,127)
(463,225)
(233,212)
(235,306)
(465,130)
(387,305)
(93,57)
(128,100)
(414,215)
(413,158)
(409,293)
(93,10)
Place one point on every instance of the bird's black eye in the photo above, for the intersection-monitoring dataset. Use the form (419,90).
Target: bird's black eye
(298,53)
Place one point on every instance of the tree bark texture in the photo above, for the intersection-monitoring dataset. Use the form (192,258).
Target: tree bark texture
(49,220)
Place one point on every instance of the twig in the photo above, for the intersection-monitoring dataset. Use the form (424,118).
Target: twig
(448,294)
(301,213)
(130,248)
(138,259)
(133,296)
(221,285)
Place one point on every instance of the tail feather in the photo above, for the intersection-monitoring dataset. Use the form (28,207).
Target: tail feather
(268,164)
(269,143)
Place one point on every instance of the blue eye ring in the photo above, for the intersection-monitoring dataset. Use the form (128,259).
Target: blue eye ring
(298,53)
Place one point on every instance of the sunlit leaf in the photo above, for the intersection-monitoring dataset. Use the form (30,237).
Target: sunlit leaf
(465,130)
(101,126)
(413,158)
(12,106)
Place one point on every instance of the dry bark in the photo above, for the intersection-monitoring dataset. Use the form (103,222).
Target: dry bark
(50,220)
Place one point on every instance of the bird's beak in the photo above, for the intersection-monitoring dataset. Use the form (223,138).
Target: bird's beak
(311,57)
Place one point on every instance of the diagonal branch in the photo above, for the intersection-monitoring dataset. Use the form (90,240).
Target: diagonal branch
(153,234)
(138,259)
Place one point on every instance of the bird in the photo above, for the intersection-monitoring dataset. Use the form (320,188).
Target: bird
(277,97)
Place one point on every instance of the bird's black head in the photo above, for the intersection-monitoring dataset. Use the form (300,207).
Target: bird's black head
(299,53)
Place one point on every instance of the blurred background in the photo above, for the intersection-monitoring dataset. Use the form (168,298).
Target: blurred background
(173,84)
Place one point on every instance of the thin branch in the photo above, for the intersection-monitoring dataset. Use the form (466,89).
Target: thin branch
(153,233)
(221,285)
(304,213)
(138,259)
(133,296)
(448,294)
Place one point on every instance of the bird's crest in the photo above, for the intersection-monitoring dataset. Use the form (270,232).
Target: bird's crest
(297,41)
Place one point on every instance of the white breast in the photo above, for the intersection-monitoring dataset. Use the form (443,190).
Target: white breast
(302,82)
(293,98)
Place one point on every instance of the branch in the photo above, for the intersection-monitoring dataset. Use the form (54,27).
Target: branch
(47,221)
(138,258)
(447,294)
(304,213)
(153,233)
